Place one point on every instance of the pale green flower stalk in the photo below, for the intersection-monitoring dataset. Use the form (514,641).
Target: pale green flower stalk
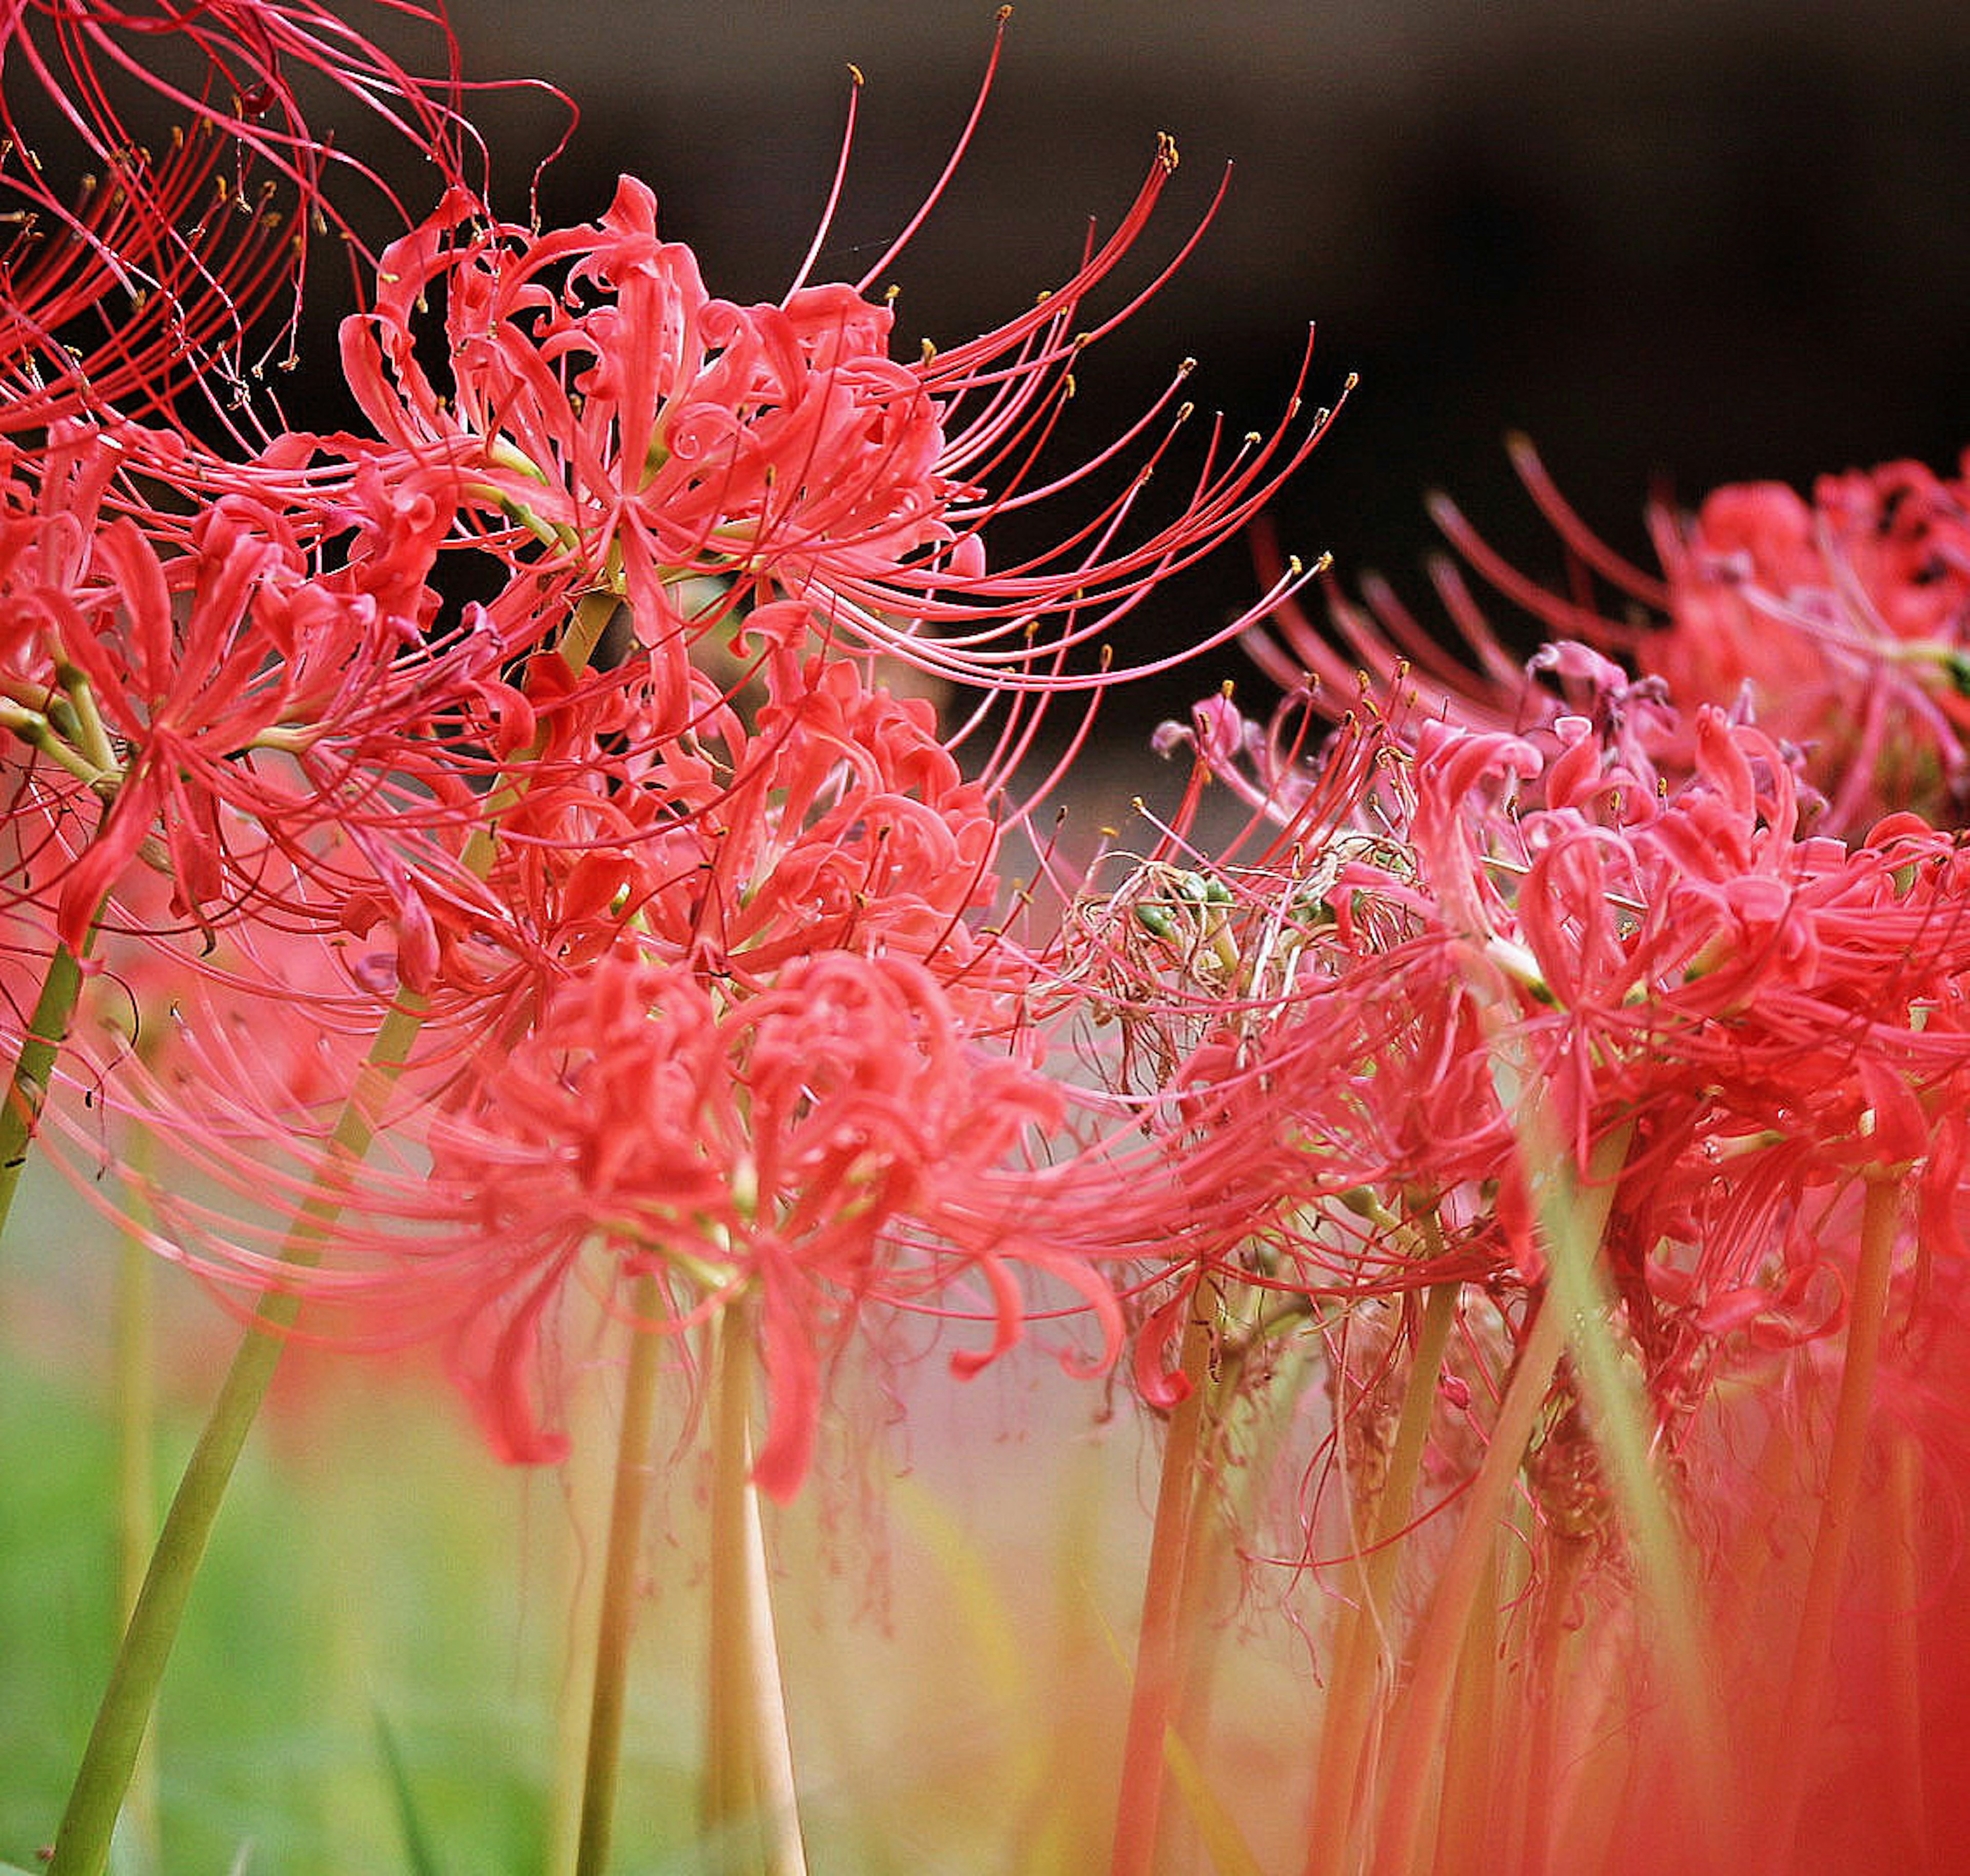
(1160,1646)
(1575,1211)
(136,1505)
(616,1617)
(82,1843)
(1360,1646)
(1621,1424)
(751,1814)
(27,1087)
(1811,1661)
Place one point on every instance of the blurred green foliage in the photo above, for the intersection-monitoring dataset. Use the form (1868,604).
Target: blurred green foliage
(375,1654)
(338,1588)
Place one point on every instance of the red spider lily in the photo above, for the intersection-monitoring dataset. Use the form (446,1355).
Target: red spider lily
(1847,621)
(240,67)
(1772,1016)
(793,1141)
(212,695)
(837,817)
(1291,1049)
(780,918)
(1840,624)
(147,280)
(831,1141)
(647,434)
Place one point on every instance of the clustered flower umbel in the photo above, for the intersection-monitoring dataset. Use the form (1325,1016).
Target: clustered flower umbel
(1562,932)
(1769,1015)
(621,925)
(263,700)
(253,736)
(1841,623)
(638,967)
(1693,902)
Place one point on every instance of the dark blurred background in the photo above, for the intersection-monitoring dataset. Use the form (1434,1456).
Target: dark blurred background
(1679,243)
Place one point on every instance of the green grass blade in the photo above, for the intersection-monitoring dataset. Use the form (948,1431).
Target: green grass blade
(416,1841)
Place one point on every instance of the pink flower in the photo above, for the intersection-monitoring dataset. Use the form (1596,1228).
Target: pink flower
(215,694)
(1840,625)
(1771,1017)
(832,1144)
(798,1142)
(835,817)
(722,1001)
(150,280)
(649,437)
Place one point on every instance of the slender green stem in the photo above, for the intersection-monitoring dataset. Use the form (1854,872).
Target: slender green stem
(95,762)
(1621,1422)
(82,1844)
(592,1414)
(1247,1416)
(1473,1817)
(136,1500)
(1904,1641)
(1406,1788)
(750,1808)
(1361,1640)
(618,1616)
(1812,1659)
(28,1088)
(1547,1692)
(1159,1645)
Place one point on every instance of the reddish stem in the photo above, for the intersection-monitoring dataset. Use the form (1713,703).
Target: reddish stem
(1811,1661)
(1159,1649)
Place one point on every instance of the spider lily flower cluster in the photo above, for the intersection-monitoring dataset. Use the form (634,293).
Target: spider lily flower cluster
(1566,1066)
(1838,621)
(1599,963)
(1766,1016)
(238,671)
(443,955)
